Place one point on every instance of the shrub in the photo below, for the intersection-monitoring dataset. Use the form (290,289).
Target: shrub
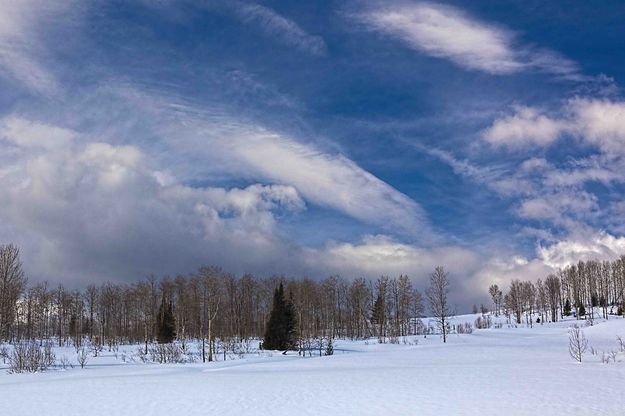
(28,357)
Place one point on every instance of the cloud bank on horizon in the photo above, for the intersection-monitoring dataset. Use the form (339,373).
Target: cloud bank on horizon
(361,139)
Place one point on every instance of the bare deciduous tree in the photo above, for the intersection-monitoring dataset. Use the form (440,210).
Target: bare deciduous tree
(12,282)
(82,356)
(496,295)
(437,297)
(577,343)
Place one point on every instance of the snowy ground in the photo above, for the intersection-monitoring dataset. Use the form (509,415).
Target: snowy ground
(505,371)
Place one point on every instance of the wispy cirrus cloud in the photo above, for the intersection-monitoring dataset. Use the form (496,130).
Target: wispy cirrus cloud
(275,25)
(331,180)
(23,42)
(450,33)
(212,141)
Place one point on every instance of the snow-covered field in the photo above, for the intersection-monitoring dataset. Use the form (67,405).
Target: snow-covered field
(504,371)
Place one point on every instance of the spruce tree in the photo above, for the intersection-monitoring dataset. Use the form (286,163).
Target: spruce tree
(567,308)
(280,333)
(166,323)
(581,310)
(377,314)
(330,347)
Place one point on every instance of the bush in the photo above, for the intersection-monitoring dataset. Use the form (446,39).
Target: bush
(166,353)
(4,353)
(82,356)
(483,322)
(28,357)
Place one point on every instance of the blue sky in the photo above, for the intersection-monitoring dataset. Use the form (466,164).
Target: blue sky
(311,138)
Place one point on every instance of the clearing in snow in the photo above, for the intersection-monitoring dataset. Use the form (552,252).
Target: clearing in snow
(497,371)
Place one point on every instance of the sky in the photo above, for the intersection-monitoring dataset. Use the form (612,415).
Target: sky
(357,138)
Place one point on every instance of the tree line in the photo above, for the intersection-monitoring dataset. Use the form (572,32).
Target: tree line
(577,289)
(212,304)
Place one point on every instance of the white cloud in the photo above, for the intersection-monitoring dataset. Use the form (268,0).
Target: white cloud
(464,167)
(228,144)
(597,122)
(501,270)
(378,255)
(329,180)
(22,43)
(601,246)
(85,208)
(273,24)
(538,208)
(26,133)
(66,187)
(580,175)
(562,207)
(526,127)
(448,32)
(99,210)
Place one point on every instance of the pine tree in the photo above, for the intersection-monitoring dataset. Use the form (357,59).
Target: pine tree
(581,311)
(567,308)
(166,323)
(280,333)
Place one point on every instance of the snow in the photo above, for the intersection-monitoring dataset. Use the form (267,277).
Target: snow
(503,371)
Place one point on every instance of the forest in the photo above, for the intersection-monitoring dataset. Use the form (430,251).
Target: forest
(222,311)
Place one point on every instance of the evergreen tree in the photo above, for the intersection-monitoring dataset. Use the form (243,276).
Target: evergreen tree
(567,308)
(166,323)
(377,313)
(581,310)
(594,300)
(73,327)
(330,347)
(280,333)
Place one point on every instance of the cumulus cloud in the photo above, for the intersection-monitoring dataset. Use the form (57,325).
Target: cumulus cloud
(92,210)
(501,270)
(448,32)
(376,255)
(88,208)
(527,126)
(597,122)
(105,211)
(557,205)
(557,193)
(381,255)
(600,246)
(78,197)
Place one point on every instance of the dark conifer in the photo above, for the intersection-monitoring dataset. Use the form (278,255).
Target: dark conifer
(567,308)
(166,323)
(330,347)
(280,333)
(378,316)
